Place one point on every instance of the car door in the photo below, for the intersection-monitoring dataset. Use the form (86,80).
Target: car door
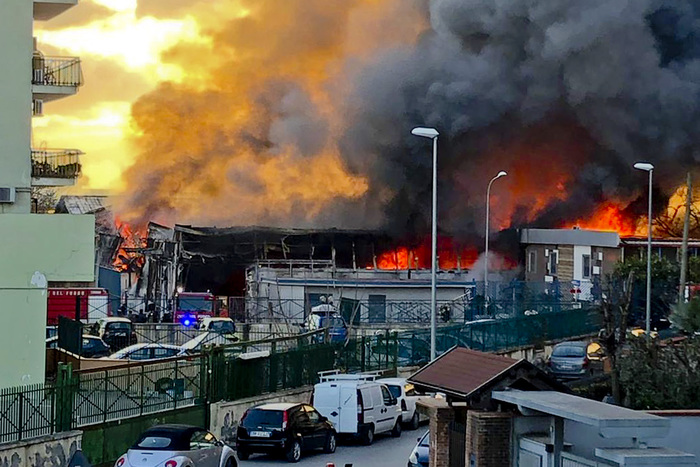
(317,427)
(204,450)
(302,425)
(387,413)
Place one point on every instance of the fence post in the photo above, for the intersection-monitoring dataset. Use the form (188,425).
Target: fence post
(386,347)
(104,406)
(272,384)
(174,386)
(395,365)
(141,391)
(362,355)
(21,415)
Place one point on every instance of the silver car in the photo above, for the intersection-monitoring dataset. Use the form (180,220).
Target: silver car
(177,446)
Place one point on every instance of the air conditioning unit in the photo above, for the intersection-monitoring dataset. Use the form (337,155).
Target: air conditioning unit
(38,107)
(7,194)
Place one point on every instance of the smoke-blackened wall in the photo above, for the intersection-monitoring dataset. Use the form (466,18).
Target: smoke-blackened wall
(301,112)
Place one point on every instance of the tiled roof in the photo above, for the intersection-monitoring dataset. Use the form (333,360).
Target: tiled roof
(462,371)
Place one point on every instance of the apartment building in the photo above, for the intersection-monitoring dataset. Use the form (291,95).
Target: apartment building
(36,250)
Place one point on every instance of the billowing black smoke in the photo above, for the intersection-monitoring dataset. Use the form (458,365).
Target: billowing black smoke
(602,83)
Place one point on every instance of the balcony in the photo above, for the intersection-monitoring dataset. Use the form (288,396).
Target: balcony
(55,77)
(47,9)
(55,167)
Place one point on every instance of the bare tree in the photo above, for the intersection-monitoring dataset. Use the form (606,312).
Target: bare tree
(43,200)
(615,306)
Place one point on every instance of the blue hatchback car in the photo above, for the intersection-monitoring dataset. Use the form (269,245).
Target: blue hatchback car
(420,456)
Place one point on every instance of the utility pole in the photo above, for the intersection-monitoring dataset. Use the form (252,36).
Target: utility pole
(684,248)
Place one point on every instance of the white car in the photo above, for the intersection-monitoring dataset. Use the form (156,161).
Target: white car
(148,352)
(407,397)
(217,324)
(177,446)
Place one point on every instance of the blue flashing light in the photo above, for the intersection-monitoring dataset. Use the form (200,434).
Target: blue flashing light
(188,321)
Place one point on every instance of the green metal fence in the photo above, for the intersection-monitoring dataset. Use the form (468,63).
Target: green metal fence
(89,398)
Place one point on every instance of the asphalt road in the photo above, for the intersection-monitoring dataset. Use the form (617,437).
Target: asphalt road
(385,451)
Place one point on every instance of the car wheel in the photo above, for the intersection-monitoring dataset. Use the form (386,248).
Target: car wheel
(231,462)
(415,421)
(294,452)
(330,443)
(396,431)
(368,436)
(243,454)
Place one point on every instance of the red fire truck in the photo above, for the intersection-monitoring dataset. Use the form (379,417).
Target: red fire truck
(191,307)
(89,304)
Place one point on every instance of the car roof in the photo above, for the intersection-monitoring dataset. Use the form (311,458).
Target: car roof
(277,406)
(180,434)
(116,319)
(572,344)
(150,345)
(174,427)
(399,381)
(216,318)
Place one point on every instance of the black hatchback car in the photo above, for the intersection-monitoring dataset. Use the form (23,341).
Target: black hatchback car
(284,428)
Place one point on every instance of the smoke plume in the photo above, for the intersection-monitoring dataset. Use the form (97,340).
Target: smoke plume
(299,113)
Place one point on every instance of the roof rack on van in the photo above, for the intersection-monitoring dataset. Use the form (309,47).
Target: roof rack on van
(335,375)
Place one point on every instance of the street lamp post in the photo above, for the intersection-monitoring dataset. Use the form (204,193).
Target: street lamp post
(486,250)
(649,168)
(432,133)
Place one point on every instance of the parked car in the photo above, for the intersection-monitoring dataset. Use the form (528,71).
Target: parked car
(327,316)
(420,456)
(358,406)
(569,360)
(116,332)
(218,325)
(93,346)
(284,428)
(148,352)
(177,446)
(407,397)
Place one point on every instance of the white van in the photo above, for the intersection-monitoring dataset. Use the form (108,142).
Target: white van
(357,405)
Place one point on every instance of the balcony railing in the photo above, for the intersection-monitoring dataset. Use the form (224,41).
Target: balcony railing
(56,163)
(56,71)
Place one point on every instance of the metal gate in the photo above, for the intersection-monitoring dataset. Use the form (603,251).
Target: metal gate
(458,439)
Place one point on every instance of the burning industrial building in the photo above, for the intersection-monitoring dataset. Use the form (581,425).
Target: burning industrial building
(297,115)
(300,115)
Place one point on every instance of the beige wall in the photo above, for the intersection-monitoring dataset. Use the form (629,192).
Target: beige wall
(16,45)
(46,451)
(34,250)
(226,415)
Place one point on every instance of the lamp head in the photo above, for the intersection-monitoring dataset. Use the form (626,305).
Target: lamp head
(644,166)
(425,132)
(502,173)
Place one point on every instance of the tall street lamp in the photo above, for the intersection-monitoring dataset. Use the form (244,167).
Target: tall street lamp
(432,133)
(649,168)
(486,250)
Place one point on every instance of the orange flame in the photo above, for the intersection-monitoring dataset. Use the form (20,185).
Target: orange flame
(608,217)
(131,239)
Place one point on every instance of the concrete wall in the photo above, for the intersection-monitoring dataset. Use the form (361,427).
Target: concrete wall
(35,250)
(16,24)
(46,451)
(226,415)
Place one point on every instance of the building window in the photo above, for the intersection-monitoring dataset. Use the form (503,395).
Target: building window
(586,266)
(552,264)
(377,308)
(532,262)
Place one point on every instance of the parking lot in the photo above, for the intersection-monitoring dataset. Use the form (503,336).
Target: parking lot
(386,451)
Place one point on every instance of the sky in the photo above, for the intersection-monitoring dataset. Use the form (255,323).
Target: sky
(120,43)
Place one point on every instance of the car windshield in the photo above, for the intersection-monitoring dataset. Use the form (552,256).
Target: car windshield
(568,351)
(332,322)
(154,442)
(426,440)
(271,418)
(118,326)
(222,326)
(394,390)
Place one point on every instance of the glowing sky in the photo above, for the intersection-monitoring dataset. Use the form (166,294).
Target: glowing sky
(120,43)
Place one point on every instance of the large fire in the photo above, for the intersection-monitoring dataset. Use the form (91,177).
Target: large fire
(129,257)
(449,255)
(609,217)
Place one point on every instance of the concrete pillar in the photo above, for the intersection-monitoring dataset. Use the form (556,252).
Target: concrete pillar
(440,420)
(488,439)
